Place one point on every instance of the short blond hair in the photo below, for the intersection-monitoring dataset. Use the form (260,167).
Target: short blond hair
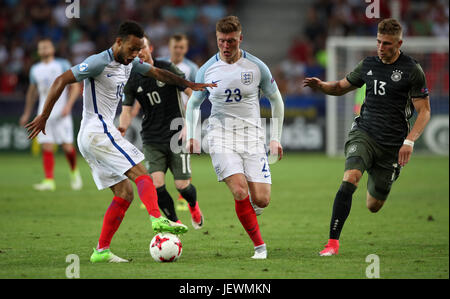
(390,27)
(228,25)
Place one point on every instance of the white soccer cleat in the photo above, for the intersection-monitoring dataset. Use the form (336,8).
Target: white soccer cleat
(45,185)
(75,180)
(258,210)
(260,252)
(106,256)
(115,259)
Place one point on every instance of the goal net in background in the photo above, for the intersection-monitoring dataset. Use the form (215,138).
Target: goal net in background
(344,53)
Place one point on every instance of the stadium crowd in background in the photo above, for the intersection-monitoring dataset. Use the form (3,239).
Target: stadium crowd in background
(24,22)
(306,56)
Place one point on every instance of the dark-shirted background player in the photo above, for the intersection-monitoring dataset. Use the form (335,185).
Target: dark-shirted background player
(380,140)
(162,104)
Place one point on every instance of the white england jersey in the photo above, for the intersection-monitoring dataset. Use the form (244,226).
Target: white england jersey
(235,113)
(104,80)
(43,75)
(108,153)
(190,70)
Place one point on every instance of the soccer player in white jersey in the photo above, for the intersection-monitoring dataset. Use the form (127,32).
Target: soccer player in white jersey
(235,133)
(178,47)
(113,160)
(59,126)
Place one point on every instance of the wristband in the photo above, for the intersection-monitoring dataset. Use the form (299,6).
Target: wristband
(409,142)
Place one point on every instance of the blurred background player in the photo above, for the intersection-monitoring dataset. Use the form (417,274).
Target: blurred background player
(380,140)
(161,104)
(59,128)
(178,47)
(113,160)
(236,137)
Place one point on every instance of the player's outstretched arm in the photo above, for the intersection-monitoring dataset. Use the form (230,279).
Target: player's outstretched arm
(277,105)
(74,93)
(334,88)
(125,119)
(38,124)
(192,116)
(31,96)
(170,78)
(422,106)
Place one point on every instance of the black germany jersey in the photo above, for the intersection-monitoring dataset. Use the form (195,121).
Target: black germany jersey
(161,103)
(389,89)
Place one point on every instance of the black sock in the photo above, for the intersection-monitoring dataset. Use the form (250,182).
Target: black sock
(190,194)
(341,208)
(165,203)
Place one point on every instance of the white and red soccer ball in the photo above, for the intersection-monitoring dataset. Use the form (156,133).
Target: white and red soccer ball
(165,247)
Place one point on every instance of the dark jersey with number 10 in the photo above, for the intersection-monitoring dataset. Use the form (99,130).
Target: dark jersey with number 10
(160,102)
(389,90)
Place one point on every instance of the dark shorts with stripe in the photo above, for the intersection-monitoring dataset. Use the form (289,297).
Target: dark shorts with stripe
(159,157)
(380,162)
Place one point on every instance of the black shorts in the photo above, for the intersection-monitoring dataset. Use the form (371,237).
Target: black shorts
(380,162)
(159,157)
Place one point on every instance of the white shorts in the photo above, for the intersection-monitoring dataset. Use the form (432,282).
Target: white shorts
(109,155)
(57,131)
(255,166)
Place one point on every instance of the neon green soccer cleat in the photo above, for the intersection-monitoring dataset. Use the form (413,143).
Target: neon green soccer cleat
(106,256)
(164,225)
(45,185)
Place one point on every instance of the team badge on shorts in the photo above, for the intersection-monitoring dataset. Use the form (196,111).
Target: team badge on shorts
(396,75)
(247,78)
(352,149)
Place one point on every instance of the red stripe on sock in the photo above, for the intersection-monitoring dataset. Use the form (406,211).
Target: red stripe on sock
(48,161)
(71,157)
(112,220)
(147,194)
(247,217)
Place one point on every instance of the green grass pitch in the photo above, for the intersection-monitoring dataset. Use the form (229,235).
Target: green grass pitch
(410,234)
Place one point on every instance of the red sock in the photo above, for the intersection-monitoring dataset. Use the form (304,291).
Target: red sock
(147,194)
(247,216)
(112,220)
(49,163)
(72,159)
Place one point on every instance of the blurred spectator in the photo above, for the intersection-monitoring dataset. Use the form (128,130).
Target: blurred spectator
(440,26)
(23,23)
(82,49)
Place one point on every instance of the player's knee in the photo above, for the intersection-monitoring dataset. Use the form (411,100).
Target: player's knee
(373,208)
(240,193)
(374,204)
(125,193)
(261,201)
(352,176)
(182,184)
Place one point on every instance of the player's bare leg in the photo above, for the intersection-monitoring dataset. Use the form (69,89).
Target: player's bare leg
(189,193)
(71,155)
(373,204)
(238,186)
(48,162)
(259,196)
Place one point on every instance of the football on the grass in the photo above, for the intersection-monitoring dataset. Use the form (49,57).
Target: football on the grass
(165,247)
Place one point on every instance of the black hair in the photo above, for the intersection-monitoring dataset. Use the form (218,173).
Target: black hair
(130,28)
